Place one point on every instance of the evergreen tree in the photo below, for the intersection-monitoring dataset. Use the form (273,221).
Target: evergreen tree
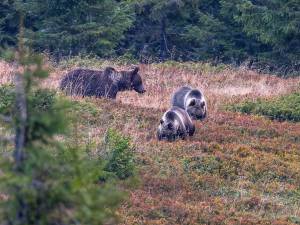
(275,23)
(176,29)
(48,182)
(67,27)
(9,21)
(264,31)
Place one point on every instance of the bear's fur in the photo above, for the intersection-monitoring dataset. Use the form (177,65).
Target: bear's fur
(107,83)
(191,100)
(175,123)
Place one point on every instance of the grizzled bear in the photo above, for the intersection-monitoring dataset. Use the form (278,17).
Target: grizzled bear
(175,123)
(107,83)
(191,100)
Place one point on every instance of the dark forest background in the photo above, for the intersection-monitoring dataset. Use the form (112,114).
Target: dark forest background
(256,33)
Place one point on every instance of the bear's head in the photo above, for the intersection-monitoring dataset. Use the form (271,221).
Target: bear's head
(168,127)
(136,81)
(196,108)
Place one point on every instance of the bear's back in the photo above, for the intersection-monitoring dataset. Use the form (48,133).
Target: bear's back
(86,82)
(178,98)
(183,116)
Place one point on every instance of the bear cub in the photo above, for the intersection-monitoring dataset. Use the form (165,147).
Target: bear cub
(191,100)
(175,124)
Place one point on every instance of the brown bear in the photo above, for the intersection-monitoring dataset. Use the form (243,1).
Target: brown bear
(175,123)
(107,83)
(191,100)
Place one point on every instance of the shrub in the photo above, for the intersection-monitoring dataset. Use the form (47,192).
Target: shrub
(44,107)
(49,182)
(57,186)
(7,98)
(282,108)
(119,154)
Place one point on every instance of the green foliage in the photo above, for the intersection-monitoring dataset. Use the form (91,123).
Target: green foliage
(120,155)
(264,35)
(57,186)
(47,117)
(45,112)
(195,66)
(283,108)
(273,22)
(9,21)
(263,32)
(276,25)
(294,219)
(54,182)
(7,98)
(179,30)
(67,27)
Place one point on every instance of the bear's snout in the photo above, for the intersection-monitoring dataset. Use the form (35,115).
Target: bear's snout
(140,90)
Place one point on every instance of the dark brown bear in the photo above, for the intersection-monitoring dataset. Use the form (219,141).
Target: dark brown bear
(107,83)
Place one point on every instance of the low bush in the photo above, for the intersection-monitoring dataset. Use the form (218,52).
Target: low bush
(7,98)
(282,108)
(58,186)
(43,107)
(119,155)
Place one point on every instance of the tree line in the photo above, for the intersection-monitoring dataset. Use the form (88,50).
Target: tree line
(260,33)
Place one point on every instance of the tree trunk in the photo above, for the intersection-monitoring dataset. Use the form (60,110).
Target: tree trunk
(163,40)
(21,115)
(20,105)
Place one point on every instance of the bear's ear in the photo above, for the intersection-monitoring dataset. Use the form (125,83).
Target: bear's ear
(109,70)
(135,70)
(193,102)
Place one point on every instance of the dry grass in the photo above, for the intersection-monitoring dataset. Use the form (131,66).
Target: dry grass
(161,80)
(6,72)
(237,169)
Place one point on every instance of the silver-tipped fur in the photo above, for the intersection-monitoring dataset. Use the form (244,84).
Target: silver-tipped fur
(191,100)
(174,124)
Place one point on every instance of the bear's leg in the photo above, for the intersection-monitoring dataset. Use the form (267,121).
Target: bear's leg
(183,136)
(192,130)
